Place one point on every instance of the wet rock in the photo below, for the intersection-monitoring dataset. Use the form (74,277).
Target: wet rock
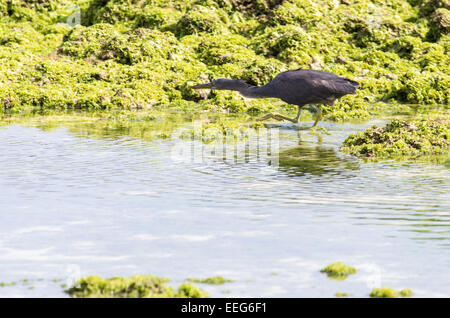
(401,139)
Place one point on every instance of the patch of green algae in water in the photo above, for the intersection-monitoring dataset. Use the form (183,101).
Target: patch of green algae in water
(216,280)
(386,292)
(338,271)
(138,286)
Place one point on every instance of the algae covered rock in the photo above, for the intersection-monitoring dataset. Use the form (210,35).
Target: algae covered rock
(249,8)
(219,131)
(111,11)
(223,49)
(140,52)
(427,7)
(201,19)
(401,138)
(440,23)
(158,18)
(385,292)
(338,270)
(102,41)
(139,286)
(216,280)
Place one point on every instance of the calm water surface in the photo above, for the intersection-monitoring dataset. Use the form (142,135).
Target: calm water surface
(74,204)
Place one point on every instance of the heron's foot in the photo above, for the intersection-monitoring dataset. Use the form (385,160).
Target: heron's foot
(277,117)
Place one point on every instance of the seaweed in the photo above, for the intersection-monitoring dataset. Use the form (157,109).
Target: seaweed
(338,270)
(386,292)
(401,139)
(138,54)
(216,280)
(138,286)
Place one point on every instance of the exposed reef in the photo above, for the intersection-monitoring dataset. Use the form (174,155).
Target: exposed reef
(386,292)
(338,271)
(144,54)
(215,280)
(399,139)
(139,286)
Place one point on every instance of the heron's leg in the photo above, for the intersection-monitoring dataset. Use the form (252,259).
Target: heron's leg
(319,116)
(299,112)
(267,116)
(277,117)
(281,117)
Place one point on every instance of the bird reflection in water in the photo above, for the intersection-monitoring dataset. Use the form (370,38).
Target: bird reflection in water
(315,160)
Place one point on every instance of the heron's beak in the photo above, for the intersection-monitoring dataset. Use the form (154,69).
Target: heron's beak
(203,86)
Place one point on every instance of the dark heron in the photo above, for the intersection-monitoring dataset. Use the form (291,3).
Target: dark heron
(298,87)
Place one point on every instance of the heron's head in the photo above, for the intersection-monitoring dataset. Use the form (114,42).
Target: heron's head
(223,83)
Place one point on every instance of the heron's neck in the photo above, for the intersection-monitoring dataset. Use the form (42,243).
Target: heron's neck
(257,92)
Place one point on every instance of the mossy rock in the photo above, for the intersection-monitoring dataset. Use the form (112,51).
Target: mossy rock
(288,43)
(10,7)
(256,8)
(401,139)
(41,5)
(136,54)
(102,41)
(158,18)
(215,280)
(111,11)
(139,286)
(219,131)
(201,19)
(428,7)
(338,270)
(15,35)
(440,23)
(429,88)
(217,50)
(385,292)
(187,290)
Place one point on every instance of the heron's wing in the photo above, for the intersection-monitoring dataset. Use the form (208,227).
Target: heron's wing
(301,87)
(324,82)
(338,86)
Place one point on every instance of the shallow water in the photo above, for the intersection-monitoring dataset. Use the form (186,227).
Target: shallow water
(76,203)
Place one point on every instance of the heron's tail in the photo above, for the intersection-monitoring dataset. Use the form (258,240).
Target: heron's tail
(351,86)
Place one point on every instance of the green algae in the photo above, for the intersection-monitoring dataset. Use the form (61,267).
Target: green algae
(401,139)
(103,42)
(187,290)
(201,19)
(219,131)
(406,292)
(440,23)
(386,292)
(145,54)
(338,271)
(138,286)
(216,280)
